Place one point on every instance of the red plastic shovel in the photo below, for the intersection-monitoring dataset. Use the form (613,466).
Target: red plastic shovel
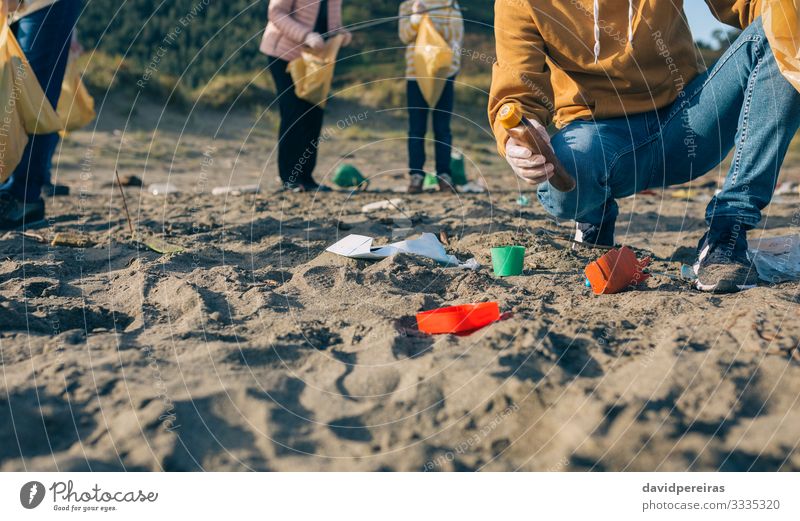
(457,319)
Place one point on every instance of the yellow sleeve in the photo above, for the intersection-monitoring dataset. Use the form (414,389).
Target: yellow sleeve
(738,13)
(520,73)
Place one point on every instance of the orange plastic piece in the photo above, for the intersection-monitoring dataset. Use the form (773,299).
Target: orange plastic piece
(616,270)
(457,319)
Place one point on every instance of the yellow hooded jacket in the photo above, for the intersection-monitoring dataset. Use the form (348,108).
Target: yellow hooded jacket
(563,60)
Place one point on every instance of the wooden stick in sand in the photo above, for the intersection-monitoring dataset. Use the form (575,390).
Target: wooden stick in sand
(125,204)
(398,209)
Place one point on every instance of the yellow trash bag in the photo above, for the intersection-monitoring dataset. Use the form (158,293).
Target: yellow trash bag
(25,109)
(75,105)
(781,19)
(433,58)
(312,73)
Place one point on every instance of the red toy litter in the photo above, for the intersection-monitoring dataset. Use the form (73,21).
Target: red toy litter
(458,319)
(616,270)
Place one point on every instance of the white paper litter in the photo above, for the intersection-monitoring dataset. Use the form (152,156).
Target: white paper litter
(387,204)
(163,189)
(777,259)
(471,188)
(787,188)
(235,190)
(427,245)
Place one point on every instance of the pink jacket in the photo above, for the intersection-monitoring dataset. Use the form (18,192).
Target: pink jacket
(290,21)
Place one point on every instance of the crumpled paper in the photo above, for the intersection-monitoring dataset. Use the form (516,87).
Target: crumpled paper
(427,245)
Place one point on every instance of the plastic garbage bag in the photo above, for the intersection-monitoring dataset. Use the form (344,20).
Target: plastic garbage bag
(75,105)
(312,73)
(776,259)
(432,60)
(781,19)
(25,108)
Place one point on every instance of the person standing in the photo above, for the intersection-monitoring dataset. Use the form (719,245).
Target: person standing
(293,25)
(44,31)
(447,19)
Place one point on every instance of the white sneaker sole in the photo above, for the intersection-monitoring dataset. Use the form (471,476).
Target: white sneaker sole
(722,288)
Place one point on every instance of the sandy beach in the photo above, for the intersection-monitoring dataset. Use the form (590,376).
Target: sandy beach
(254,349)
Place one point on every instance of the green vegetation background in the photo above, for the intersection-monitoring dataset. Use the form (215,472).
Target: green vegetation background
(206,51)
(221,37)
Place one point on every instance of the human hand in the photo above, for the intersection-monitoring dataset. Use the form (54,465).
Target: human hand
(347,37)
(530,167)
(314,41)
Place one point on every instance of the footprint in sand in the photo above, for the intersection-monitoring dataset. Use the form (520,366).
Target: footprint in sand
(321,278)
(372,381)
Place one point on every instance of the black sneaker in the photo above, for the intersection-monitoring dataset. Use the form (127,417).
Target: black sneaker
(305,187)
(15,213)
(51,190)
(594,234)
(722,265)
(313,186)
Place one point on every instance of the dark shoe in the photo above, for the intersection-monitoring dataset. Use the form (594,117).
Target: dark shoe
(446,183)
(722,265)
(594,234)
(293,187)
(415,184)
(15,213)
(54,190)
(309,186)
(312,186)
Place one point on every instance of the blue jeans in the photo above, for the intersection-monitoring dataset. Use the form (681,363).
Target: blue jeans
(44,37)
(742,103)
(418,111)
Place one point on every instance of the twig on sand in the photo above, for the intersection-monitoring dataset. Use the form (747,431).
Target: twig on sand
(398,209)
(767,337)
(125,205)
(32,235)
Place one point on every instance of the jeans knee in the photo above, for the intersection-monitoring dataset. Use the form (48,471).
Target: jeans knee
(559,205)
(574,205)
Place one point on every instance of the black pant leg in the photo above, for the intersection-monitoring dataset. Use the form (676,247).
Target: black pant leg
(417,127)
(300,126)
(311,124)
(441,127)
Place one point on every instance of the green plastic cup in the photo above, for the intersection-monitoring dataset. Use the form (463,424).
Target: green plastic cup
(348,176)
(508,260)
(457,169)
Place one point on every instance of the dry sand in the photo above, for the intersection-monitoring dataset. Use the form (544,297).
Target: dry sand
(255,349)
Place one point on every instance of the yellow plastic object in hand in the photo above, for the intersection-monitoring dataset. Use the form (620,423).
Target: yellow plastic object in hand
(312,72)
(75,105)
(432,60)
(25,109)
